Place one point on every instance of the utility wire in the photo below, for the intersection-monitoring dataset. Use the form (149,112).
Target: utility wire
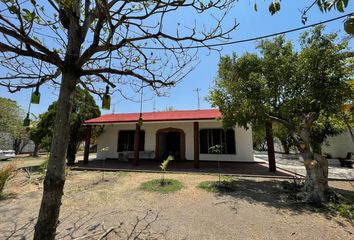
(251,39)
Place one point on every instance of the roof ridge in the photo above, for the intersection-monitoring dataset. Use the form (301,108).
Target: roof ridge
(186,110)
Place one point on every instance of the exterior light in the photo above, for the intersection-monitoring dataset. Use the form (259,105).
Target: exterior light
(26,121)
(140,121)
(106,101)
(36,96)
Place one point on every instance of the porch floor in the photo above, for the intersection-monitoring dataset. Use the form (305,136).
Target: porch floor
(206,167)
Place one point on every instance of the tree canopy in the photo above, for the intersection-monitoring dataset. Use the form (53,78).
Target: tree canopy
(11,125)
(84,107)
(299,89)
(98,44)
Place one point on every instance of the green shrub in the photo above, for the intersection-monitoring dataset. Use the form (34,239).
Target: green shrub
(5,174)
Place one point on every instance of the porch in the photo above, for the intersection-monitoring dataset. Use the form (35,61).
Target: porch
(252,169)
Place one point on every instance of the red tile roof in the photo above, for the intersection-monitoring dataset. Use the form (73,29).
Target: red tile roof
(183,115)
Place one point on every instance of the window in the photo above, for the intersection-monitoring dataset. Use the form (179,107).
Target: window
(212,137)
(126,140)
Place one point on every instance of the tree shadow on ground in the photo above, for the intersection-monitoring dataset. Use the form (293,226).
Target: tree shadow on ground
(93,225)
(281,195)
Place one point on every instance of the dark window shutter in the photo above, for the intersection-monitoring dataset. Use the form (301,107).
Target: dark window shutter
(203,141)
(230,141)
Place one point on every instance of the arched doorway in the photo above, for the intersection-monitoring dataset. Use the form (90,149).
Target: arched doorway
(170,141)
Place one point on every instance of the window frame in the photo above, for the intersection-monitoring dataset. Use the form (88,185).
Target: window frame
(142,140)
(223,138)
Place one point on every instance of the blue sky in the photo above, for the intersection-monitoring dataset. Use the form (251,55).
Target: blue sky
(252,24)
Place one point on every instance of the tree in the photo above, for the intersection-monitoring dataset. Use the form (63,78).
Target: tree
(117,43)
(11,123)
(293,89)
(279,131)
(324,6)
(84,107)
(348,118)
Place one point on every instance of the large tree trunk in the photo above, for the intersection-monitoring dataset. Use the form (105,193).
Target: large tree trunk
(316,181)
(71,154)
(35,151)
(55,176)
(270,146)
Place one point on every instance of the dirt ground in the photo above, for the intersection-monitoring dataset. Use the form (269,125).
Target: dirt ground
(97,202)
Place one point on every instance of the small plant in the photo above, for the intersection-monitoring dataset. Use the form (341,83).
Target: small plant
(217,149)
(163,167)
(5,174)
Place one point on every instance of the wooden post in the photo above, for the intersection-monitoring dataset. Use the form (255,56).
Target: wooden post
(87,143)
(136,145)
(270,146)
(196,144)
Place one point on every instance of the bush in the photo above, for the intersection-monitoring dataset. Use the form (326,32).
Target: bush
(5,174)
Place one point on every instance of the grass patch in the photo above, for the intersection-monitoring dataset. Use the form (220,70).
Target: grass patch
(216,186)
(168,185)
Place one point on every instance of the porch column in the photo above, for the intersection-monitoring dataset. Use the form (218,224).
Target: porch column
(136,145)
(270,146)
(87,143)
(196,144)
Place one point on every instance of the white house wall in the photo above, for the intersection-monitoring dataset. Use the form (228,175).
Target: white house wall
(339,146)
(107,142)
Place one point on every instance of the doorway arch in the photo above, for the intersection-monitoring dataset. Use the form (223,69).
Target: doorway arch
(162,135)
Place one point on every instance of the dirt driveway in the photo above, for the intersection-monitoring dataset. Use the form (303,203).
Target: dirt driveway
(97,202)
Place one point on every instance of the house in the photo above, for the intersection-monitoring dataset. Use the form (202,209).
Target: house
(187,135)
(338,146)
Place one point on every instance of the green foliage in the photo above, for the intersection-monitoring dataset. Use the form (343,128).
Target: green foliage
(11,116)
(169,185)
(327,5)
(11,121)
(165,163)
(5,174)
(284,85)
(324,127)
(282,133)
(274,7)
(259,137)
(164,166)
(84,108)
(279,131)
